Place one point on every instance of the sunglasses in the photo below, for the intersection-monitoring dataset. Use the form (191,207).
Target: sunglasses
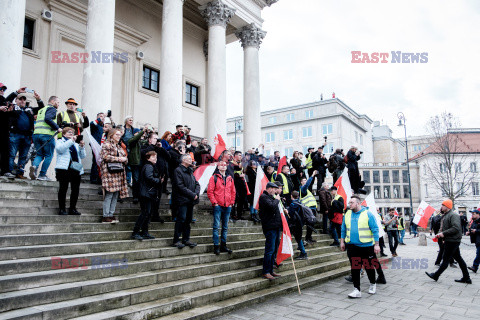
(22,98)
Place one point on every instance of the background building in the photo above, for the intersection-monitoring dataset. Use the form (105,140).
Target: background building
(302,126)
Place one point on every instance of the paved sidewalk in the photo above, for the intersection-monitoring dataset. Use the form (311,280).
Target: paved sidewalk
(408,294)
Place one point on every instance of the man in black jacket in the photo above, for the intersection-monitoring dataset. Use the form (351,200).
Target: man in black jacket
(269,212)
(201,150)
(474,233)
(186,193)
(319,163)
(451,232)
(175,154)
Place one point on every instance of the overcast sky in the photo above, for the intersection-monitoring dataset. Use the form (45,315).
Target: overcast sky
(307,51)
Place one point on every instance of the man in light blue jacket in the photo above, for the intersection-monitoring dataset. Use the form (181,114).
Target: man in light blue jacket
(69,169)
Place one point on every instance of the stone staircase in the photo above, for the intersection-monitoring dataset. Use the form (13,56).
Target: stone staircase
(113,277)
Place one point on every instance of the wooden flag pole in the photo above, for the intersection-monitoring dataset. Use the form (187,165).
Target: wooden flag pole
(295,271)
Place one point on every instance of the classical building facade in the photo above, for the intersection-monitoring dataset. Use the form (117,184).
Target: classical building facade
(296,128)
(163,62)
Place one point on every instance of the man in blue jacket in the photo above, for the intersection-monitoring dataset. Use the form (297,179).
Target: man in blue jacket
(360,239)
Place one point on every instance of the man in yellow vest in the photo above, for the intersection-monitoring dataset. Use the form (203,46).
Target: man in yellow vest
(284,178)
(43,138)
(360,239)
(308,200)
(71,118)
(401,230)
(309,166)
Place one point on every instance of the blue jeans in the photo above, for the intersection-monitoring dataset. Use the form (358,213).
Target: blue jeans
(272,241)
(476,262)
(223,214)
(18,143)
(253,210)
(44,153)
(335,230)
(401,235)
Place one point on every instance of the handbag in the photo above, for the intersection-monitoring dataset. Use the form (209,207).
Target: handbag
(115,167)
(77,166)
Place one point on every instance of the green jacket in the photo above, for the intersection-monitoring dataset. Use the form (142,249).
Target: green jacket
(134,146)
(452,227)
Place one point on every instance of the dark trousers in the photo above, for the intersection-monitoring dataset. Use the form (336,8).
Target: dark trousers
(452,250)
(325,223)
(135,181)
(476,262)
(335,231)
(182,225)
(393,240)
(362,256)
(146,207)
(4,151)
(240,203)
(320,179)
(381,243)
(441,247)
(272,241)
(64,177)
(94,176)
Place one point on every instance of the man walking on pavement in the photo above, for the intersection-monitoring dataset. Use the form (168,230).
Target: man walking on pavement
(451,232)
(474,233)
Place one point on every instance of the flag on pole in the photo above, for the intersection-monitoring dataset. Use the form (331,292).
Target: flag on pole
(285,250)
(369,202)
(423,214)
(203,174)
(260,186)
(281,163)
(344,187)
(219,145)
(96,148)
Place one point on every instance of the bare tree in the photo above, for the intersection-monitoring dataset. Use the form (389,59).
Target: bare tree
(447,168)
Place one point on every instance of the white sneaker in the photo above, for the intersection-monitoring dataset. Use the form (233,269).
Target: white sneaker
(355,294)
(9,175)
(44,178)
(372,289)
(33,173)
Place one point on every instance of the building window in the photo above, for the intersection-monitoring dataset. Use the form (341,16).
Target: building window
(236,144)
(444,189)
(406,192)
(395,176)
(368,189)
(272,120)
(475,190)
(366,176)
(290,117)
(150,78)
(376,176)
(328,148)
(307,132)
(28,33)
(386,192)
(461,188)
(287,134)
(426,190)
(238,125)
(458,167)
(361,140)
(191,94)
(473,167)
(270,137)
(308,114)
(376,192)
(414,148)
(396,192)
(268,153)
(356,136)
(289,152)
(443,168)
(405,176)
(327,129)
(386,176)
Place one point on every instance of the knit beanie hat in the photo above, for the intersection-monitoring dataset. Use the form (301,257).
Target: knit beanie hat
(448,203)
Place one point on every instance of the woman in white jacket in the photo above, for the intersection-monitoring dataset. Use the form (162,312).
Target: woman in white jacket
(69,169)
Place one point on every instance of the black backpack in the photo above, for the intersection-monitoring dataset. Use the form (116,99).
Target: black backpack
(307,214)
(332,164)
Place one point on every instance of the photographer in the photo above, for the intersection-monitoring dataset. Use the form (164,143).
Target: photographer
(353,156)
(133,147)
(96,130)
(391,223)
(339,159)
(70,118)
(5,108)
(320,165)
(69,169)
(175,155)
(202,152)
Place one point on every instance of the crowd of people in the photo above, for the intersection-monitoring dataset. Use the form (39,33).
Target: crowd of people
(141,159)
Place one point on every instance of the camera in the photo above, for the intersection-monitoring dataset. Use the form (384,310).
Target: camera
(29,90)
(79,138)
(64,124)
(109,113)
(361,152)
(79,110)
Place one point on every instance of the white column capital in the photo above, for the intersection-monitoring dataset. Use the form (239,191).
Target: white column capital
(216,13)
(270,2)
(250,36)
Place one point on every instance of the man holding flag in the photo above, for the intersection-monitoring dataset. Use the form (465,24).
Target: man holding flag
(360,239)
(271,225)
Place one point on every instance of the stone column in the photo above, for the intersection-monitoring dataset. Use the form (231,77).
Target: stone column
(251,37)
(217,15)
(12,24)
(171,66)
(97,72)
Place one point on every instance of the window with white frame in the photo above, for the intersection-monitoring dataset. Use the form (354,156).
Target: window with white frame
(443,168)
(290,116)
(327,129)
(237,144)
(473,167)
(268,153)
(328,148)
(28,33)
(475,190)
(461,188)
(306,132)
(458,167)
(288,134)
(272,120)
(270,137)
(361,140)
(150,78)
(289,152)
(308,114)
(356,136)
(426,190)
(444,189)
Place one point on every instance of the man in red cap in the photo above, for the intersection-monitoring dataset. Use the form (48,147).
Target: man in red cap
(451,232)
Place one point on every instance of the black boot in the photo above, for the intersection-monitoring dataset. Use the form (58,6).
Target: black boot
(216,249)
(223,248)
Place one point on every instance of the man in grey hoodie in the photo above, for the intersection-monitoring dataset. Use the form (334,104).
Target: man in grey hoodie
(451,232)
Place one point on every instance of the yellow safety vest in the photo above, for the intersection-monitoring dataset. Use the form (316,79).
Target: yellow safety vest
(309,161)
(364,233)
(337,196)
(285,184)
(309,200)
(274,176)
(400,228)
(66,116)
(41,127)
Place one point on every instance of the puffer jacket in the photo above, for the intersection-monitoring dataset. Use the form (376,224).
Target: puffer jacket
(149,181)
(451,227)
(62,147)
(221,192)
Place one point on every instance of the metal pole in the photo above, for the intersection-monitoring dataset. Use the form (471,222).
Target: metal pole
(235,135)
(408,170)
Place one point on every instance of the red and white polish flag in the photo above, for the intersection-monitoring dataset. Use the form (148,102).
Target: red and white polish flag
(260,186)
(219,145)
(344,188)
(285,250)
(203,174)
(96,148)
(369,202)
(423,214)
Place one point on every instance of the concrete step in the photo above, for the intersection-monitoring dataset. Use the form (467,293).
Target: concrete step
(175,281)
(147,302)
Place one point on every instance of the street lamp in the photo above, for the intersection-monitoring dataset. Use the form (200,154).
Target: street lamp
(401,118)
